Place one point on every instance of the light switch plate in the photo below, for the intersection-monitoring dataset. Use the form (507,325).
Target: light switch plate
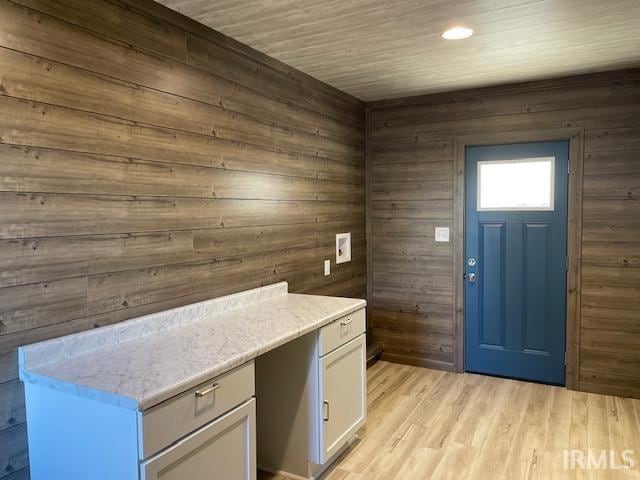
(327,267)
(442,234)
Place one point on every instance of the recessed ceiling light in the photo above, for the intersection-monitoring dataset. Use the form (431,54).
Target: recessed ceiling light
(457,33)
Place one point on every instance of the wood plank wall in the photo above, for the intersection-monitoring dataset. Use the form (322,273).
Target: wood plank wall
(148,162)
(411,144)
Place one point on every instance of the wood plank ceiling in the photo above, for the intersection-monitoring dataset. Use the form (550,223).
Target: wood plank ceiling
(378,49)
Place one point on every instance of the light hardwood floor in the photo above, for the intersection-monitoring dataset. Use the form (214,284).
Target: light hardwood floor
(428,424)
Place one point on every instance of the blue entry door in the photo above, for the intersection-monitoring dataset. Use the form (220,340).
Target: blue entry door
(515,260)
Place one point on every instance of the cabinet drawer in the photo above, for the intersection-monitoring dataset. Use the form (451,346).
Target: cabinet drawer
(342,331)
(163,424)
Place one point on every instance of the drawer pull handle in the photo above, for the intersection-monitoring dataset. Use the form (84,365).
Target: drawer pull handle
(346,322)
(326,417)
(207,391)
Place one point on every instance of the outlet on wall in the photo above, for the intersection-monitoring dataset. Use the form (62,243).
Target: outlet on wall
(327,267)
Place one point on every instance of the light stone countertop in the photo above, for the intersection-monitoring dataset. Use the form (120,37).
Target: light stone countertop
(141,362)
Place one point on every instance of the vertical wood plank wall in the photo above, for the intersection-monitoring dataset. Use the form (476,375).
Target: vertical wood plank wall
(411,156)
(148,162)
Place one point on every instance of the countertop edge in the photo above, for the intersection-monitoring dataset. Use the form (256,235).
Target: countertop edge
(116,400)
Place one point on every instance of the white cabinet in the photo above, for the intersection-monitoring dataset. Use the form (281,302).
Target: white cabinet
(205,433)
(222,449)
(343,392)
(311,395)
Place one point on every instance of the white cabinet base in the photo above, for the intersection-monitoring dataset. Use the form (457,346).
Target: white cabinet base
(343,387)
(102,441)
(311,406)
(68,436)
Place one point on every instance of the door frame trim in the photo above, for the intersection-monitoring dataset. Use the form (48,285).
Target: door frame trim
(575,136)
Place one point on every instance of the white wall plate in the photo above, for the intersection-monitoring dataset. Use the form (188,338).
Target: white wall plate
(343,247)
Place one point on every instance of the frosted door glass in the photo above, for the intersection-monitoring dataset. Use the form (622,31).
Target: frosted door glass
(522,184)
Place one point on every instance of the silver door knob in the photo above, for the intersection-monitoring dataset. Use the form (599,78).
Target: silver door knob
(472,277)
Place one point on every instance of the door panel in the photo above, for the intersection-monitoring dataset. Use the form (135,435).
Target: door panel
(343,380)
(536,277)
(492,301)
(515,305)
(223,449)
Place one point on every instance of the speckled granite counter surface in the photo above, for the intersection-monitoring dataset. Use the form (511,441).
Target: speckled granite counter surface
(141,362)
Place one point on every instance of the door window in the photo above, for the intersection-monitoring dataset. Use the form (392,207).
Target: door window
(519,184)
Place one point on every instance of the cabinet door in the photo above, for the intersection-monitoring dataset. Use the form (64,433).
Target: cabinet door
(223,449)
(343,388)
